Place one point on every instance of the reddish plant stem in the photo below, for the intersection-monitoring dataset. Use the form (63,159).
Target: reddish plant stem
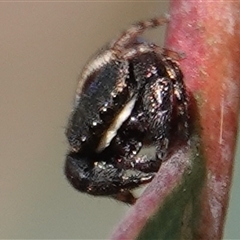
(208,33)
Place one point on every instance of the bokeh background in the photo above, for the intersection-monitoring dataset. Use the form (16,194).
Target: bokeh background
(43,46)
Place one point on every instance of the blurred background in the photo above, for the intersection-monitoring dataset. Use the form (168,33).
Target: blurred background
(43,47)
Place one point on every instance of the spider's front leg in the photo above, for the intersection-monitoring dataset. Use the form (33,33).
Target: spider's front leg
(130,139)
(102,178)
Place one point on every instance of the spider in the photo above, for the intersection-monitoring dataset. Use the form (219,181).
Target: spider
(130,95)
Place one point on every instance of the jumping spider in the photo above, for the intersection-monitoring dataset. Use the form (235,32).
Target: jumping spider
(130,95)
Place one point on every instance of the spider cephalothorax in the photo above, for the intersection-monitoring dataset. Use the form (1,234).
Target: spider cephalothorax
(130,95)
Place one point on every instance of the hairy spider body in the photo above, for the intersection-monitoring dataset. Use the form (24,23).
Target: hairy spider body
(130,95)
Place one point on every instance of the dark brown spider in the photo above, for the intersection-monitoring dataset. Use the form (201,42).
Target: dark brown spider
(130,95)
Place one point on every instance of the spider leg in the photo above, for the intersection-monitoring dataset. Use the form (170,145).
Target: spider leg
(158,102)
(129,141)
(129,36)
(181,100)
(102,178)
(127,158)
